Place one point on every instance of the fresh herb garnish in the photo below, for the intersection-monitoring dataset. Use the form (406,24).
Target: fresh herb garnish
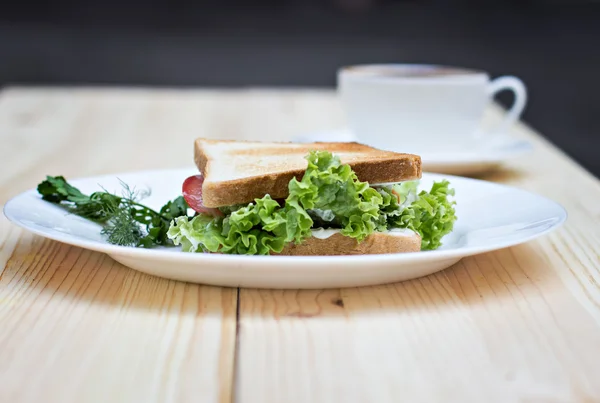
(125,221)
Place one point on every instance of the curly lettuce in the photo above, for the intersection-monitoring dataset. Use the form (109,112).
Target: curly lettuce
(328,195)
(256,229)
(332,190)
(430,214)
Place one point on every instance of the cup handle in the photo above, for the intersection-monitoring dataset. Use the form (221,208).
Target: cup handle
(518,88)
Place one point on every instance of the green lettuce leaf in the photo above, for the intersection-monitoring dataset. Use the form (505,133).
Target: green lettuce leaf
(431,215)
(256,229)
(331,189)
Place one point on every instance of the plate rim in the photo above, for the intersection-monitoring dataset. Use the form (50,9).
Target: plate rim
(210,257)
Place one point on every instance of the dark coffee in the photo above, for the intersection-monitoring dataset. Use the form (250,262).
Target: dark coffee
(416,70)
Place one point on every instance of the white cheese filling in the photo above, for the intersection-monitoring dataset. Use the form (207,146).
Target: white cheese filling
(324,233)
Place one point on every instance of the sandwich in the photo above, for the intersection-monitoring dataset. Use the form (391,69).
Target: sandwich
(257,198)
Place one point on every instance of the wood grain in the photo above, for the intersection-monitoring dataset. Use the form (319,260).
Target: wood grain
(517,325)
(75,326)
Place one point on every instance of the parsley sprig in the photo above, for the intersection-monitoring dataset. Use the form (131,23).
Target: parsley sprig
(125,221)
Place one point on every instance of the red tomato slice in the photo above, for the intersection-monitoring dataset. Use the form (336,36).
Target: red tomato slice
(192,193)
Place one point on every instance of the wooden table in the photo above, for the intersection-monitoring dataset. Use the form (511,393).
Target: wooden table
(517,325)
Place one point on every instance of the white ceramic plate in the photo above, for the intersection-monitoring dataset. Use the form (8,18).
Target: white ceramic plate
(491,217)
(486,154)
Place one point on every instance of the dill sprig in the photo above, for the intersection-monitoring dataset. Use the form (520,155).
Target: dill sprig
(121,228)
(124,219)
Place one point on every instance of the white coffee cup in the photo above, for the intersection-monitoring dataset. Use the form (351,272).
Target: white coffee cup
(418,108)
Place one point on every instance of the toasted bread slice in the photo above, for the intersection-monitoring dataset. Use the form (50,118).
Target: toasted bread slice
(338,244)
(237,172)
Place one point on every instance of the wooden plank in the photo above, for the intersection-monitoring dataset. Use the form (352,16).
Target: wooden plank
(521,324)
(86,131)
(75,325)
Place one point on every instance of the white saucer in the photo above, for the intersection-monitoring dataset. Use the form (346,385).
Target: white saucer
(490,217)
(486,154)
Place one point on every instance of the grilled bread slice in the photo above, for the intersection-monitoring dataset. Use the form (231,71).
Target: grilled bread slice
(237,172)
(338,244)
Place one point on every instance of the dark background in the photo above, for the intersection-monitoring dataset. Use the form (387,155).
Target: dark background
(554,46)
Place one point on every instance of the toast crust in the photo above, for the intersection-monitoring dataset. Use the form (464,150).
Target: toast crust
(338,244)
(370,164)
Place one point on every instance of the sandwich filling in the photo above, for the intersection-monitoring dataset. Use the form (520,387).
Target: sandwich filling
(325,233)
(330,197)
